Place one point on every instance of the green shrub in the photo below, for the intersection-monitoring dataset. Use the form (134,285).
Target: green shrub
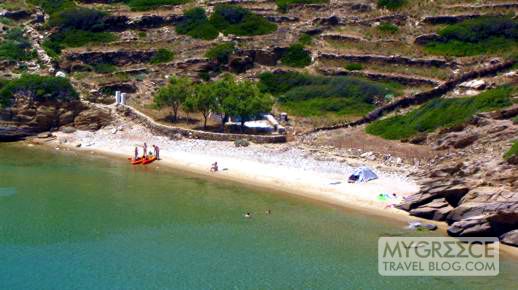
(354,66)
(196,25)
(221,52)
(296,56)
(513,151)
(391,4)
(309,95)
(161,56)
(142,34)
(75,38)
(440,113)
(77,27)
(515,120)
(388,28)
(142,5)
(229,19)
(104,68)
(477,36)
(78,19)
(53,6)
(39,88)
(16,47)
(305,39)
(233,19)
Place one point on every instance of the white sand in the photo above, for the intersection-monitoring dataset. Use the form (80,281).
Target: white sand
(280,167)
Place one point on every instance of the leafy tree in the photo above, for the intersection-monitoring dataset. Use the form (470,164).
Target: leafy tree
(204,100)
(38,88)
(79,19)
(196,24)
(246,100)
(233,19)
(174,94)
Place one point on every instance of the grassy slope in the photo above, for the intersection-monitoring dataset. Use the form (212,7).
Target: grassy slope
(440,113)
(308,95)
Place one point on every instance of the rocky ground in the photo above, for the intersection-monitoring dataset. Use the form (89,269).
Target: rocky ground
(468,184)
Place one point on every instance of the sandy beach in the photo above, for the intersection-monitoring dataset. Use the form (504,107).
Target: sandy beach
(279,167)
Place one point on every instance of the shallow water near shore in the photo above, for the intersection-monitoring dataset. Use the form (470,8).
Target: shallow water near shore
(74,221)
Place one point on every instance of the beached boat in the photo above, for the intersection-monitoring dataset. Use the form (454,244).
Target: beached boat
(149,160)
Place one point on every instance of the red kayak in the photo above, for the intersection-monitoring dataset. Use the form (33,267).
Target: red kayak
(137,161)
(148,160)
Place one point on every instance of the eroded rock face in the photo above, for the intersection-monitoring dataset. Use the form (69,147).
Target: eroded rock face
(92,119)
(119,57)
(26,117)
(436,210)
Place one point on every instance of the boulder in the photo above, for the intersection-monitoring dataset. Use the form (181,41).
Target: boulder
(456,140)
(92,119)
(10,133)
(451,192)
(474,85)
(465,140)
(474,227)
(68,130)
(436,210)
(510,238)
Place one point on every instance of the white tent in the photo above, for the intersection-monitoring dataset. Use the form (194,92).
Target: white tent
(363,174)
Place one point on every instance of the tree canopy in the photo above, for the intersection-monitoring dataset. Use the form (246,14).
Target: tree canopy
(174,94)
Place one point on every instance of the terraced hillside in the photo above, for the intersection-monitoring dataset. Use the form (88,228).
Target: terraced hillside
(427,83)
(135,45)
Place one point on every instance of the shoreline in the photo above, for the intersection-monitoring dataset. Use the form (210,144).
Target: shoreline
(314,186)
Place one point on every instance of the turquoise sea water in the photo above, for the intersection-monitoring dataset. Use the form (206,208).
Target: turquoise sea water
(70,221)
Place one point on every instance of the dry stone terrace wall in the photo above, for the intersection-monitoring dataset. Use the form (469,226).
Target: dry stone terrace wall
(121,23)
(195,134)
(451,19)
(399,78)
(423,97)
(117,57)
(393,59)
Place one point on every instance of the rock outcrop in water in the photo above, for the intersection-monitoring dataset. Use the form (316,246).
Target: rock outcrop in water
(27,117)
(473,191)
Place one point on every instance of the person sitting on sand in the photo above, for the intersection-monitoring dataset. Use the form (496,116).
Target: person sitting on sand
(214,167)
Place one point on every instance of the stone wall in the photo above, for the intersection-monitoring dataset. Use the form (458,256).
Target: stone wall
(393,59)
(375,76)
(422,97)
(452,19)
(194,134)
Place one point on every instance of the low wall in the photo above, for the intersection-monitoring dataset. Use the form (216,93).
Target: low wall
(383,59)
(422,97)
(194,134)
(375,76)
